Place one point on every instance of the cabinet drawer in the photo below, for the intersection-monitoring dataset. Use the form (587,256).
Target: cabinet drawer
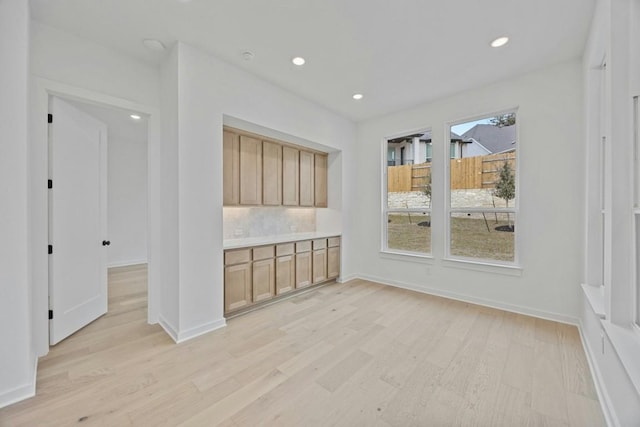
(319,244)
(263,252)
(333,242)
(303,246)
(284,249)
(237,256)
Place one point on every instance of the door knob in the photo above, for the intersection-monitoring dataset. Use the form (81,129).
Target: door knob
(106,243)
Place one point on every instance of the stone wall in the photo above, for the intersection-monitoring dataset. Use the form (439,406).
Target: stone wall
(459,199)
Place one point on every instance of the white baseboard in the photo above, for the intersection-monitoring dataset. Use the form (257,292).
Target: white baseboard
(475,300)
(200,330)
(344,279)
(127,263)
(23,392)
(182,336)
(170,330)
(603,396)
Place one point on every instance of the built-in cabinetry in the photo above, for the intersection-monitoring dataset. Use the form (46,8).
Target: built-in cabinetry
(250,171)
(320,180)
(259,273)
(258,171)
(303,264)
(290,176)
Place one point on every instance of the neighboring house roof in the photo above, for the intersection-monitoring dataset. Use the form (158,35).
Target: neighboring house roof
(424,137)
(495,139)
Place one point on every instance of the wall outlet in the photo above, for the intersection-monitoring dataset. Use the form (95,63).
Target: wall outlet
(238,232)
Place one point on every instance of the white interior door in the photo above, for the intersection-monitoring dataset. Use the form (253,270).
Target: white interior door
(77,219)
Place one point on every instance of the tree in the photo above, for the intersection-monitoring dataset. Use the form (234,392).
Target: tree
(506,186)
(426,187)
(504,120)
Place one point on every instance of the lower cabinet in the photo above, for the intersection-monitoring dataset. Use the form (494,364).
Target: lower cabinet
(264,279)
(333,262)
(285,274)
(237,286)
(303,269)
(319,266)
(252,275)
(333,257)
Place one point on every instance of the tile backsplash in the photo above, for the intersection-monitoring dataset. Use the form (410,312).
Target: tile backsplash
(260,221)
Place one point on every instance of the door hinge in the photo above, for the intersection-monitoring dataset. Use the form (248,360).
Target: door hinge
(50,314)
(50,183)
(50,249)
(49,118)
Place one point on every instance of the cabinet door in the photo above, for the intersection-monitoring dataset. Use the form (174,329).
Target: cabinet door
(333,262)
(307,174)
(319,266)
(264,278)
(230,168)
(237,286)
(303,269)
(320,180)
(250,171)
(271,173)
(285,274)
(290,176)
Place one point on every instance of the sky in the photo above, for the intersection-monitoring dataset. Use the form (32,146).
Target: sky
(463,127)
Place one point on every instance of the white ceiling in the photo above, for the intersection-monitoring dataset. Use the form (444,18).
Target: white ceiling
(118,122)
(398,53)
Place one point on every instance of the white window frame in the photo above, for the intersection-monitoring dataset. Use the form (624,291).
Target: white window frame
(385,204)
(447,198)
(636,209)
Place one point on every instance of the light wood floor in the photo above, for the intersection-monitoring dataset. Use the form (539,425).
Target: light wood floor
(354,354)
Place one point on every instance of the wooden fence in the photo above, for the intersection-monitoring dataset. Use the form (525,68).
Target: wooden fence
(466,173)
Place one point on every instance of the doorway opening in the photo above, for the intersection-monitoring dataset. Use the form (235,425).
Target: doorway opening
(97,211)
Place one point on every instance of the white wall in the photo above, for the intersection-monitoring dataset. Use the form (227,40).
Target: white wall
(209,89)
(168,154)
(127,200)
(549,224)
(17,369)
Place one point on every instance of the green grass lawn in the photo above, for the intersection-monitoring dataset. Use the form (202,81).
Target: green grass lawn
(469,236)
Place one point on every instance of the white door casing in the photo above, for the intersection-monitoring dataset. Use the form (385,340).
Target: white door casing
(77,219)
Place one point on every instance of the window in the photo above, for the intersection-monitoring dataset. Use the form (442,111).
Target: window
(391,156)
(636,201)
(407,209)
(429,153)
(482,208)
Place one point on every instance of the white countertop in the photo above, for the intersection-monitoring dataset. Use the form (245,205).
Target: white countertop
(280,238)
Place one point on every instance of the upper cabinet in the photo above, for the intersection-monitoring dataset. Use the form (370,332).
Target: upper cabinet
(271,173)
(307,175)
(290,176)
(320,179)
(261,172)
(231,168)
(250,171)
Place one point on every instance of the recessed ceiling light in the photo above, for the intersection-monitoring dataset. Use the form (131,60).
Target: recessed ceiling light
(135,116)
(500,41)
(153,44)
(358,96)
(247,55)
(298,60)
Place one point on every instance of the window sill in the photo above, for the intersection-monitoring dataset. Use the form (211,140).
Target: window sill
(595,296)
(407,256)
(626,343)
(487,267)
